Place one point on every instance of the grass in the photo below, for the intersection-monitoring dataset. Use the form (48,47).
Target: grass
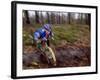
(61,33)
(68,33)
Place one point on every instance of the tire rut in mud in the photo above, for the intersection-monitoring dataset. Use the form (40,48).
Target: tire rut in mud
(67,56)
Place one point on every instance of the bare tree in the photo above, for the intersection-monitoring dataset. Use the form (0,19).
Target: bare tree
(27,17)
(88,19)
(36,16)
(52,17)
(69,17)
(48,17)
(41,16)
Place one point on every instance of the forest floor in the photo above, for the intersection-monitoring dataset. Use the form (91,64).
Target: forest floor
(71,47)
(66,56)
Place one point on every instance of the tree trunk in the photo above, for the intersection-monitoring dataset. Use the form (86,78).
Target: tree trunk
(36,17)
(27,17)
(69,18)
(48,17)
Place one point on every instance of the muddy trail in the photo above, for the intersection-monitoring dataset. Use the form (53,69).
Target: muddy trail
(66,56)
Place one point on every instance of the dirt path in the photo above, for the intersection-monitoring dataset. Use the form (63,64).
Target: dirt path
(67,56)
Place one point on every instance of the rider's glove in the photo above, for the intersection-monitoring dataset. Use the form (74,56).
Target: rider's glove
(38,41)
(52,38)
(44,39)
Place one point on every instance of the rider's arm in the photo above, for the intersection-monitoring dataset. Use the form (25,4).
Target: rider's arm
(51,35)
(37,40)
(36,37)
(44,39)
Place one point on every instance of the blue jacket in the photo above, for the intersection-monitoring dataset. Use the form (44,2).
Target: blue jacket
(39,34)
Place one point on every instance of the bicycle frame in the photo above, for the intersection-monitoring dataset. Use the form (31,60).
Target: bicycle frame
(49,53)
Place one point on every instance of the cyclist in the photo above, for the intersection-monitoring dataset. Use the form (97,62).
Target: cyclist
(43,34)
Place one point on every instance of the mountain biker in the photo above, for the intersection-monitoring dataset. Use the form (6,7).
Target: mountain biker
(43,34)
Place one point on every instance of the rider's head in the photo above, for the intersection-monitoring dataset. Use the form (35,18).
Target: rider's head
(47,27)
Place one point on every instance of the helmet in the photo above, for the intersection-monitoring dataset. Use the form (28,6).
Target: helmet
(47,27)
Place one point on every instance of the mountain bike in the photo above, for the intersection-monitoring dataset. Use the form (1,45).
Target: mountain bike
(48,53)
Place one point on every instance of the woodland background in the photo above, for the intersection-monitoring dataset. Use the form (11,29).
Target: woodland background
(71,38)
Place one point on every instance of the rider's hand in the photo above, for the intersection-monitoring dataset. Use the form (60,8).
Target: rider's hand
(52,38)
(44,39)
(38,41)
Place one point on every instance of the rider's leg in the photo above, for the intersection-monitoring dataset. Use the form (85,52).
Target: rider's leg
(37,44)
(48,42)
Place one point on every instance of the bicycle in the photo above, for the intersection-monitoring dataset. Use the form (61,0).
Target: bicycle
(48,53)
